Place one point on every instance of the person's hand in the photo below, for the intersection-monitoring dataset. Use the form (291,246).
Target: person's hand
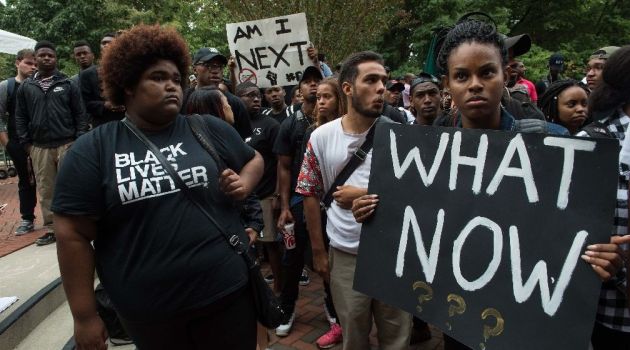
(90,334)
(364,206)
(231,63)
(346,194)
(312,54)
(607,258)
(252,234)
(231,184)
(284,218)
(320,264)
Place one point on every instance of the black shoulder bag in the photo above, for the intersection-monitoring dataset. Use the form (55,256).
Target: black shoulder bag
(268,310)
(357,158)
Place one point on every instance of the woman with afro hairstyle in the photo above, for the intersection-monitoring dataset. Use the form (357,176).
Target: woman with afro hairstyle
(171,276)
(609,108)
(565,103)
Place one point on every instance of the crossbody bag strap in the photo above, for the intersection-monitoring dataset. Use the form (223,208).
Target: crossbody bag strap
(357,158)
(232,239)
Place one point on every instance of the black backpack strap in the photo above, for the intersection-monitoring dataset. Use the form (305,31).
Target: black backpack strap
(10,87)
(199,127)
(357,158)
(598,129)
(231,238)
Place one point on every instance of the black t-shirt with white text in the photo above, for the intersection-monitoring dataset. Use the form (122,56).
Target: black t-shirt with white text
(156,253)
(264,133)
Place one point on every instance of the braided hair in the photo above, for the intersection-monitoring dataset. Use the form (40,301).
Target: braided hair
(469,30)
(548,102)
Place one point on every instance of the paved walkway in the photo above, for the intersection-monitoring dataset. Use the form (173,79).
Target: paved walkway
(310,320)
(10,219)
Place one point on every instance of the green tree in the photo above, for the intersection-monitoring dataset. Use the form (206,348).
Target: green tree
(573,27)
(335,27)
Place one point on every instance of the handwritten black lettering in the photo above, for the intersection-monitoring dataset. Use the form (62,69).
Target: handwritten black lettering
(299,50)
(260,57)
(252,63)
(279,56)
(283,29)
(249,31)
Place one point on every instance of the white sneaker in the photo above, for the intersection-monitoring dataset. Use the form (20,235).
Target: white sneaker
(284,329)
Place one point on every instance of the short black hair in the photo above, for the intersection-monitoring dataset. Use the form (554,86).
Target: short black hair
(469,31)
(22,54)
(45,44)
(349,70)
(80,43)
(240,88)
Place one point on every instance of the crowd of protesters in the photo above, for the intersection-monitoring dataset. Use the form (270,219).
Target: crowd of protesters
(83,143)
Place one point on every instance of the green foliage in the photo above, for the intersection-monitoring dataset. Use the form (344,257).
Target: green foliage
(337,28)
(400,30)
(575,28)
(201,22)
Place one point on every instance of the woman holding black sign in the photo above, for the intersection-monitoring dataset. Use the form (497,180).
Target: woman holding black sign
(474,59)
(172,277)
(609,108)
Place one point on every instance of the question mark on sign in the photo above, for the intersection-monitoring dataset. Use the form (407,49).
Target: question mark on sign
(425,296)
(458,308)
(491,331)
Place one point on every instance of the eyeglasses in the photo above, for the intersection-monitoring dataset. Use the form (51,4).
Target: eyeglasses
(211,66)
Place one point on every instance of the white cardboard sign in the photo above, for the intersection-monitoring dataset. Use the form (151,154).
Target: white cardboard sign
(270,51)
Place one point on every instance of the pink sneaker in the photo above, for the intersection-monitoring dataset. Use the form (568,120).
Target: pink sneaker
(330,338)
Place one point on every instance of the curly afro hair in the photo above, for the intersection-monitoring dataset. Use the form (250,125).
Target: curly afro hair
(468,31)
(131,53)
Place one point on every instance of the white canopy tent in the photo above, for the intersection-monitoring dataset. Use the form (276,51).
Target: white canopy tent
(12,43)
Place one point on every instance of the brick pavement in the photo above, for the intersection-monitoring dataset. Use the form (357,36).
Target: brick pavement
(310,321)
(10,219)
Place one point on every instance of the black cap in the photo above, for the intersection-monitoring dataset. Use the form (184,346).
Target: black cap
(519,44)
(311,71)
(395,85)
(424,78)
(556,60)
(205,54)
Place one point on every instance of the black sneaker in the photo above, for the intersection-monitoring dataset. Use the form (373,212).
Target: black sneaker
(46,239)
(269,278)
(25,227)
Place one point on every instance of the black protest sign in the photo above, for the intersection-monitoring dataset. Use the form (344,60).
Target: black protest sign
(270,51)
(480,232)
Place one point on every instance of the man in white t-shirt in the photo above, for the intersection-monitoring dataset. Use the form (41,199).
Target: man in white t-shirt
(362,80)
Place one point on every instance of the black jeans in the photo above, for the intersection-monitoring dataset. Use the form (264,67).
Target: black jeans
(26,191)
(293,262)
(604,338)
(229,323)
